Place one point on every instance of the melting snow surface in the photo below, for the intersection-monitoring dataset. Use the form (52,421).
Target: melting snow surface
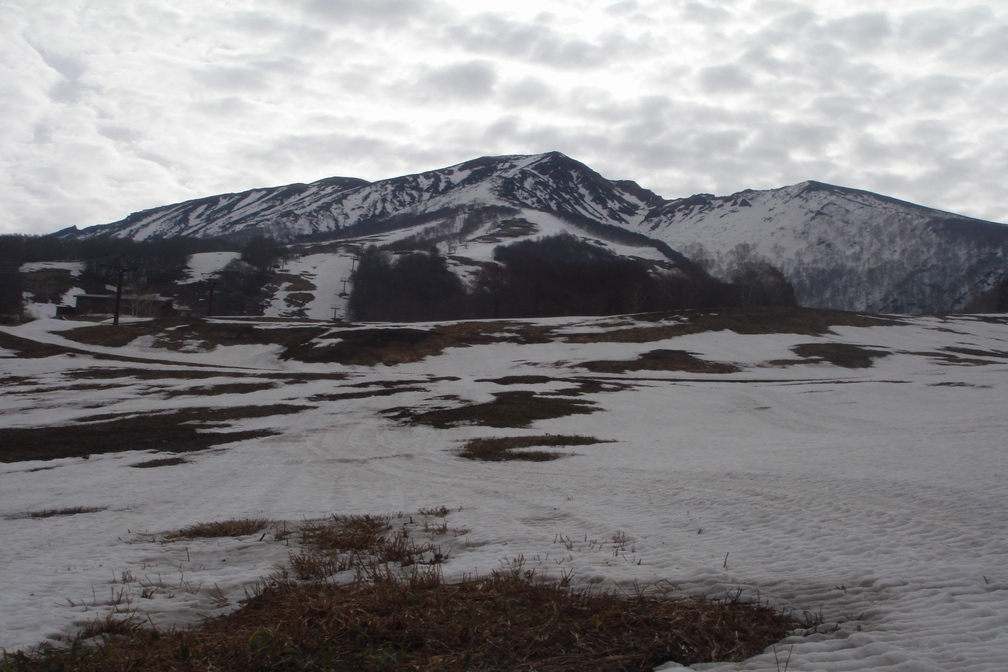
(874,497)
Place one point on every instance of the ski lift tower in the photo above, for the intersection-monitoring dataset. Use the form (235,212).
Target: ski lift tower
(121,270)
(211,279)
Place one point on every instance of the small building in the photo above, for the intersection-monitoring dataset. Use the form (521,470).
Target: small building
(137,305)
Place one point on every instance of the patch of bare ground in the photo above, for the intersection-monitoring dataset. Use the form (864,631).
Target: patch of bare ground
(847,355)
(946,358)
(141,374)
(194,374)
(160,462)
(223,388)
(369,347)
(506,448)
(175,431)
(294,283)
(400,345)
(518,380)
(770,320)
(384,392)
(508,409)
(365,544)
(74,388)
(236,527)
(976,352)
(64,511)
(660,360)
(29,349)
(951,384)
(507,621)
(179,333)
(16,381)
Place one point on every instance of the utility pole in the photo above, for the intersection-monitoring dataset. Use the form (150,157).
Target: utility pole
(121,269)
(210,279)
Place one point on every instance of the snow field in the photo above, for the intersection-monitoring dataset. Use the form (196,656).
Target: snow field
(874,498)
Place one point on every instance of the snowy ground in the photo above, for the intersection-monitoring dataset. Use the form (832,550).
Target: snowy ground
(875,497)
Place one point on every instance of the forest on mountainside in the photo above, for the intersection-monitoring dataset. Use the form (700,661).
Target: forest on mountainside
(552,276)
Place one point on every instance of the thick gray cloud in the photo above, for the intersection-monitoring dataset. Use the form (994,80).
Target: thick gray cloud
(471,80)
(110,106)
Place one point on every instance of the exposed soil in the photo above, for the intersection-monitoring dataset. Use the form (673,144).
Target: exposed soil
(660,360)
(508,409)
(847,355)
(175,431)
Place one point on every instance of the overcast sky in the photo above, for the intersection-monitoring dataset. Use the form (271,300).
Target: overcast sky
(112,106)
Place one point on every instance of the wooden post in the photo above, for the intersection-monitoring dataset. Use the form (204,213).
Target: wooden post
(119,289)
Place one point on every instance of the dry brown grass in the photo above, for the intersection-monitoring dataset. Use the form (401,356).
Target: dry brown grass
(506,448)
(237,527)
(28,349)
(776,320)
(847,355)
(223,388)
(160,462)
(177,333)
(174,431)
(660,360)
(508,621)
(386,392)
(364,544)
(65,511)
(517,380)
(508,409)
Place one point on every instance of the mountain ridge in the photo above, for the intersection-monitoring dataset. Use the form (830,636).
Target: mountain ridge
(841,247)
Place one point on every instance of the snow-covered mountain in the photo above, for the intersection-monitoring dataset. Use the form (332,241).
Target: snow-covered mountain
(844,248)
(841,248)
(548,182)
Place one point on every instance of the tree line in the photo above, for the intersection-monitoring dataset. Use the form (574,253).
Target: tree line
(552,276)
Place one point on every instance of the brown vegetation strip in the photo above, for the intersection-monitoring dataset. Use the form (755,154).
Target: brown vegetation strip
(505,448)
(223,388)
(660,360)
(518,380)
(772,320)
(240,527)
(386,392)
(366,544)
(508,409)
(176,431)
(505,622)
(29,349)
(847,355)
(176,333)
(160,462)
(66,511)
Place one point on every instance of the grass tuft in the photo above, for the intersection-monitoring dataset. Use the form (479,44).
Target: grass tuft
(507,621)
(238,527)
(66,511)
(364,544)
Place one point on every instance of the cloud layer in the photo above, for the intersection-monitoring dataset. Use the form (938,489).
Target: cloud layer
(111,106)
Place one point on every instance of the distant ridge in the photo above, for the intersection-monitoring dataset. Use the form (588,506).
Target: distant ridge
(841,248)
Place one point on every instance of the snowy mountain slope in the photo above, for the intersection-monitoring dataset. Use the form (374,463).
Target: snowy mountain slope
(549,182)
(844,248)
(325,271)
(841,248)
